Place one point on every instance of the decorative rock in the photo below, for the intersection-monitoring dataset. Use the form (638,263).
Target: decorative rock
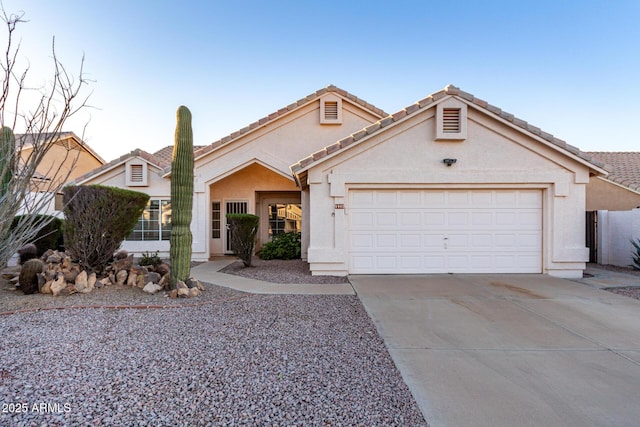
(121,277)
(133,278)
(151,288)
(121,254)
(194,292)
(152,276)
(165,281)
(194,283)
(106,281)
(124,263)
(58,285)
(173,293)
(181,285)
(46,288)
(68,290)
(27,252)
(162,269)
(183,292)
(66,263)
(71,275)
(91,280)
(82,283)
(53,259)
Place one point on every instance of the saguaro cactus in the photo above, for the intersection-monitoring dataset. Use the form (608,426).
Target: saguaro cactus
(181,198)
(7,158)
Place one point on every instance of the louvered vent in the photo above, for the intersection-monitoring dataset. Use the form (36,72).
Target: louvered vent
(137,173)
(451,120)
(331,110)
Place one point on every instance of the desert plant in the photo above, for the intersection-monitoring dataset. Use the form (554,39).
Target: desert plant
(283,246)
(98,219)
(29,276)
(244,228)
(148,258)
(181,198)
(41,116)
(635,254)
(47,237)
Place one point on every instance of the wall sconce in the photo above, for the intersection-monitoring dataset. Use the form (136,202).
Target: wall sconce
(449,162)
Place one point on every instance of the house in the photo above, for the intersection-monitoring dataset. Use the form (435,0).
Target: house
(66,158)
(245,172)
(450,184)
(620,190)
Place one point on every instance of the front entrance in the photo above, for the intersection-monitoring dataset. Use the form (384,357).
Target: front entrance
(235,207)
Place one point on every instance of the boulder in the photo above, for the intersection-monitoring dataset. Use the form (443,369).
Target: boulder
(123,263)
(162,269)
(58,285)
(91,280)
(183,292)
(82,283)
(121,277)
(194,292)
(151,288)
(133,278)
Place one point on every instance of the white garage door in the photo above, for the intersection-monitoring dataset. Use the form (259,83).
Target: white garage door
(445,231)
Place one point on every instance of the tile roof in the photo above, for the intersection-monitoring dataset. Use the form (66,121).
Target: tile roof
(623,167)
(427,103)
(286,110)
(28,139)
(135,153)
(165,154)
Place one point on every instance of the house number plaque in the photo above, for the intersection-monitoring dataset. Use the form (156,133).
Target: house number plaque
(339,205)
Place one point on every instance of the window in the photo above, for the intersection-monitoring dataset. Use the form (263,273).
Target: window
(331,110)
(155,222)
(136,174)
(215,220)
(284,218)
(451,120)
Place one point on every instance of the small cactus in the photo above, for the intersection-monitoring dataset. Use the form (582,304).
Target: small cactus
(181,198)
(29,276)
(7,158)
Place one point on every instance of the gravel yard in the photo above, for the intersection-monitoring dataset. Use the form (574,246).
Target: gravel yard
(225,358)
(280,271)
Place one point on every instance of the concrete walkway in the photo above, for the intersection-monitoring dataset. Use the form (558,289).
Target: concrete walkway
(511,350)
(208,272)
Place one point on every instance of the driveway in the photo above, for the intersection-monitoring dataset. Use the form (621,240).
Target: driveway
(510,350)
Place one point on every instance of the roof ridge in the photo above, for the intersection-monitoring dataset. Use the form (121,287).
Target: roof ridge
(137,152)
(285,110)
(449,90)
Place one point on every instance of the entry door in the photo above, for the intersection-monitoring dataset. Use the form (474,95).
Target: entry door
(233,208)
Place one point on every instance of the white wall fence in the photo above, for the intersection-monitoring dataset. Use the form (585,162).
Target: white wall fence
(615,231)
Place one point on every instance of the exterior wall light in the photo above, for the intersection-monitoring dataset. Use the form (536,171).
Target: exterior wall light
(449,162)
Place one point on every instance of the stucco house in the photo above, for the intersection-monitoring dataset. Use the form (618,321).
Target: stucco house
(450,184)
(620,190)
(245,172)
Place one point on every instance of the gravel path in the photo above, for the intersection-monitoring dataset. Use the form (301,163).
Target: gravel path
(280,271)
(259,360)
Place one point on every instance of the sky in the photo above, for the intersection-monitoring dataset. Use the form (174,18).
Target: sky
(571,68)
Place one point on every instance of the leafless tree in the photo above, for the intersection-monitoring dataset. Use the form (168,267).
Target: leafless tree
(38,128)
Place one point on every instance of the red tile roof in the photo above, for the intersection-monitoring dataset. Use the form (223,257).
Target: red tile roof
(623,167)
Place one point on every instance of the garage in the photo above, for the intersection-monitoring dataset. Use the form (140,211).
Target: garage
(411,231)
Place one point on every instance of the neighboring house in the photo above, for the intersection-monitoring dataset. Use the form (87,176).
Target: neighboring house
(450,184)
(245,172)
(67,158)
(620,190)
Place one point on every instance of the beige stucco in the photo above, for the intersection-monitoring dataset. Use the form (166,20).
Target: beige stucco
(64,160)
(495,154)
(606,195)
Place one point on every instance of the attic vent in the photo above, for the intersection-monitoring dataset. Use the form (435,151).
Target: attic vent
(451,120)
(331,110)
(137,174)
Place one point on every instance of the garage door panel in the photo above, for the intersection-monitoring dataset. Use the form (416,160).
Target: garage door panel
(439,231)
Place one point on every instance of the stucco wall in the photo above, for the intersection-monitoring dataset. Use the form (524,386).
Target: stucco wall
(494,155)
(605,195)
(65,161)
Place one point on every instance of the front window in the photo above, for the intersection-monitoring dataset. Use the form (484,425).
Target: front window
(155,222)
(284,218)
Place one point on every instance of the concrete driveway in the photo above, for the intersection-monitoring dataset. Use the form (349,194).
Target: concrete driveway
(510,350)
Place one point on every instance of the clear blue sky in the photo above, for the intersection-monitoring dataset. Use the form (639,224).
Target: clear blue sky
(571,68)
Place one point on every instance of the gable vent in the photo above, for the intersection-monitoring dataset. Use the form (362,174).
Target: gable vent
(137,174)
(331,110)
(451,120)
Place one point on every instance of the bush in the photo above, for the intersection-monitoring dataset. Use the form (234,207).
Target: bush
(98,219)
(283,246)
(49,236)
(635,255)
(150,259)
(244,228)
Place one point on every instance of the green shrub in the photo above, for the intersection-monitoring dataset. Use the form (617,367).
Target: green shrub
(49,236)
(244,228)
(635,255)
(150,259)
(98,219)
(283,246)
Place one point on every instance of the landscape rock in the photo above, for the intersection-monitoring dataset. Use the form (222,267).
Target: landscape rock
(82,283)
(58,285)
(91,280)
(194,292)
(123,263)
(133,278)
(163,269)
(183,292)
(152,288)
(53,259)
(121,277)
